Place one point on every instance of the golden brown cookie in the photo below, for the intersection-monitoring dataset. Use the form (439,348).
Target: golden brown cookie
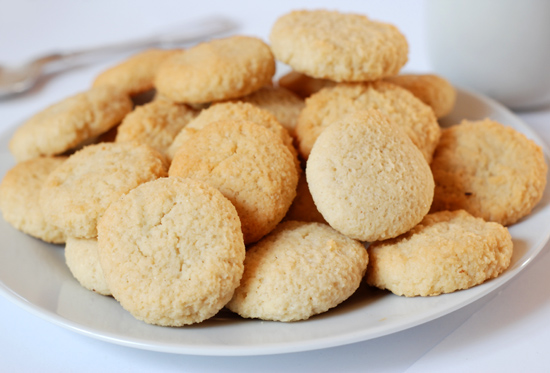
(446,252)
(70,122)
(155,124)
(19,198)
(433,90)
(343,47)
(78,192)
(250,166)
(297,271)
(172,251)
(136,74)
(303,85)
(82,258)
(400,106)
(488,169)
(303,208)
(282,103)
(216,70)
(367,178)
(232,111)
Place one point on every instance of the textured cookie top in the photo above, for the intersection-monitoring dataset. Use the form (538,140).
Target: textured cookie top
(216,70)
(82,258)
(367,178)
(338,46)
(70,122)
(488,169)
(156,124)
(172,251)
(77,193)
(279,101)
(400,106)
(433,90)
(19,198)
(232,111)
(136,74)
(297,271)
(249,165)
(447,251)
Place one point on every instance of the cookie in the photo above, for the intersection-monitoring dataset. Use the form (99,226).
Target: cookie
(78,192)
(367,178)
(136,74)
(401,107)
(303,208)
(488,169)
(303,85)
(446,252)
(282,103)
(433,90)
(216,70)
(232,111)
(297,271)
(172,251)
(155,124)
(19,198)
(70,122)
(82,258)
(249,165)
(343,47)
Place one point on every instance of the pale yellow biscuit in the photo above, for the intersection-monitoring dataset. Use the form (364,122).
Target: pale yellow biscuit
(411,115)
(82,258)
(433,90)
(216,70)
(303,85)
(172,251)
(282,103)
(488,169)
(70,122)
(446,252)
(299,270)
(338,46)
(136,74)
(367,178)
(249,165)
(78,192)
(155,124)
(19,198)
(232,111)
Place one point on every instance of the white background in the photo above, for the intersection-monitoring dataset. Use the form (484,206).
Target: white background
(507,331)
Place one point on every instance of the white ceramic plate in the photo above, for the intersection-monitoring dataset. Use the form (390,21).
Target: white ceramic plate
(34,276)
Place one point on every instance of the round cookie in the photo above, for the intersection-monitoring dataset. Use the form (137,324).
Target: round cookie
(249,165)
(401,107)
(156,124)
(446,252)
(232,111)
(70,122)
(343,47)
(297,271)
(136,74)
(216,70)
(367,178)
(433,90)
(77,193)
(282,103)
(488,169)
(82,258)
(303,85)
(172,251)
(19,198)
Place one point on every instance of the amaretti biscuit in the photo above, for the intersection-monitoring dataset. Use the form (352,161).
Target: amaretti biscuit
(82,258)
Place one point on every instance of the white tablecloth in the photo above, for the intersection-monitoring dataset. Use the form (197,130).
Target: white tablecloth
(506,331)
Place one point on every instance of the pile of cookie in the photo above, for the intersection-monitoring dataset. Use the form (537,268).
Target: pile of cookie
(273,199)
